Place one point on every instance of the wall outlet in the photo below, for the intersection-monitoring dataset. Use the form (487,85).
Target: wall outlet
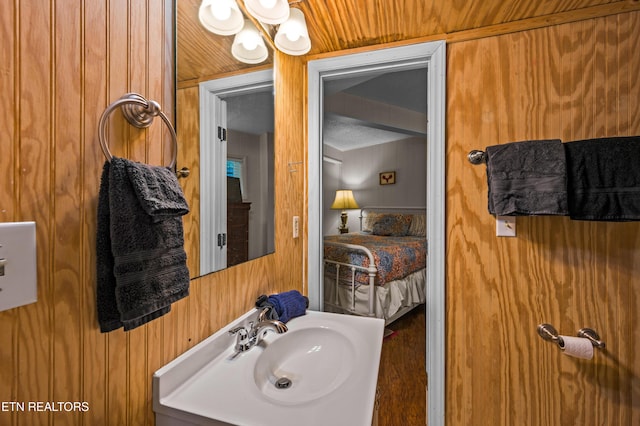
(505,226)
(296,226)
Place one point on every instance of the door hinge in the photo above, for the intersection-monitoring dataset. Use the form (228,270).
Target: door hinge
(222,240)
(222,134)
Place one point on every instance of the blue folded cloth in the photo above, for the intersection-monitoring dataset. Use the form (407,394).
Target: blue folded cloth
(284,306)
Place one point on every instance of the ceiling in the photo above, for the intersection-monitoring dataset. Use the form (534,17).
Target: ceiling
(353,106)
(369,110)
(344,24)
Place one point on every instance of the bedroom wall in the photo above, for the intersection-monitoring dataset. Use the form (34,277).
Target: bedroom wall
(570,81)
(360,170)
(63,62)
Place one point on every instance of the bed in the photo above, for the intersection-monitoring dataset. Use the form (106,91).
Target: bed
(379,271)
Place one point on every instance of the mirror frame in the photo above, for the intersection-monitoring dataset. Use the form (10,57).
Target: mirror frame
(209,92)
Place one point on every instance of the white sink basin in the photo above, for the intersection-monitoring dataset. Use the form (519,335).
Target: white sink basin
(304,365)
(324,370)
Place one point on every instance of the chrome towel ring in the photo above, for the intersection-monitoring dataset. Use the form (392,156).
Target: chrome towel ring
(140,113)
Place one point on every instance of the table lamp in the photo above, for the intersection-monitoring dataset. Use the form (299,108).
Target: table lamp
(344,200)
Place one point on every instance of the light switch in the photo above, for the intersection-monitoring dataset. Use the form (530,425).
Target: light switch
(18,266)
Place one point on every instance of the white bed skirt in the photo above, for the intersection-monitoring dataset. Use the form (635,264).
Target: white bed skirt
(391,298)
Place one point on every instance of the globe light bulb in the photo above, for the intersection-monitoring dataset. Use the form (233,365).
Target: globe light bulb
(222,12)
(267,4)
(250,43)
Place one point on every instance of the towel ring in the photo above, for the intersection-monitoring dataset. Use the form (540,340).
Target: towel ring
(140,113)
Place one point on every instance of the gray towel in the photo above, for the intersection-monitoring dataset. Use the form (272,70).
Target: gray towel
(527,178)
(158,190)
(604,179)
(141,259)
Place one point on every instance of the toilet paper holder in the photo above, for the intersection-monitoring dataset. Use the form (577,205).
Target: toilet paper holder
(549,333)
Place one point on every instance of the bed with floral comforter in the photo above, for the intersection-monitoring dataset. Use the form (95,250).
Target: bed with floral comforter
(395,257)
(398,245)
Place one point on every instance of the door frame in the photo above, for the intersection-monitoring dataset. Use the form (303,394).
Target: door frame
(433,55)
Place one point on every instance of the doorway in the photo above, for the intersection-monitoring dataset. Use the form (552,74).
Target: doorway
(431,57)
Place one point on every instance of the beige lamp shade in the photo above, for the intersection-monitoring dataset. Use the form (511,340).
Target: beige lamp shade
(344,200)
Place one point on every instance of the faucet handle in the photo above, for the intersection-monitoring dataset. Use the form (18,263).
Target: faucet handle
(262,316)
(237,329)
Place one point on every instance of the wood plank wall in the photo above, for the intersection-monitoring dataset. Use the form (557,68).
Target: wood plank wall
(571,81)
(62,63)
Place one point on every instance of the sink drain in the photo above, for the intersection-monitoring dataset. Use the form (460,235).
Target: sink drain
(283,383)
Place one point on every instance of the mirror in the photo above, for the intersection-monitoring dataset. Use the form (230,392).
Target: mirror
(230,184)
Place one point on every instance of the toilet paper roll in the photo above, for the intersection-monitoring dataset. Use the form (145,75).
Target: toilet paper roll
(579,347)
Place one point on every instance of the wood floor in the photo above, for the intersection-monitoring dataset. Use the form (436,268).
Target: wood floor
(402,377)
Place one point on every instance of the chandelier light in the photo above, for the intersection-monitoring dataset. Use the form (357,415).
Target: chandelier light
(224,17)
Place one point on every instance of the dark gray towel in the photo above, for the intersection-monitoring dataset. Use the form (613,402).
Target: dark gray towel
(604,178)
(158,190)
(527,178)
(141,260)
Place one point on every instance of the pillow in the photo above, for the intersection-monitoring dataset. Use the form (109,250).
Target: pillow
(418,226)
(391,225)
(368,221)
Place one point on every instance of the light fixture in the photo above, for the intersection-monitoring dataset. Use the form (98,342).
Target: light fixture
(224,17)
(248,45)
(344,201)
(221,16)
(271,12)
(292,37)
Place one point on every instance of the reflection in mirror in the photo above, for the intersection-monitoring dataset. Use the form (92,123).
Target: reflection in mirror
(201,59)
(236,162)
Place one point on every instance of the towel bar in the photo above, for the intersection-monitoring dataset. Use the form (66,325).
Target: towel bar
(140,113)
(477,157)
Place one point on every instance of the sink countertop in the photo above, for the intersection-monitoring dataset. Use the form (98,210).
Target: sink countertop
(207,385)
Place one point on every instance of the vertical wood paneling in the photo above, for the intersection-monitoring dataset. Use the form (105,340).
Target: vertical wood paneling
(56,83)
(571,82)
(34,194)
(8,173)
(577,80)
(188,119)
(94,85)
(67,205)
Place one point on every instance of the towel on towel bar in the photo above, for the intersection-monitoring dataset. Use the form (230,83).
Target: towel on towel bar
(141,262)
(604,178)
(527,178)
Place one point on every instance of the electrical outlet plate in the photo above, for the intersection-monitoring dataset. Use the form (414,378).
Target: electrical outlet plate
(505,226)
(296,226)
(18,279)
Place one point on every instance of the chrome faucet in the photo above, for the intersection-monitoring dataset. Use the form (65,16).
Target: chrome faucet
(246,338)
